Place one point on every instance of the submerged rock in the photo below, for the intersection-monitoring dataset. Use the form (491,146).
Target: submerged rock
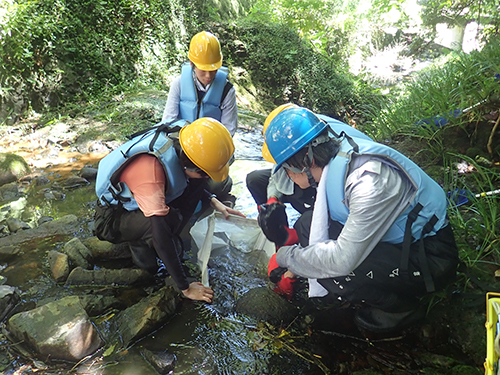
(147,315)
(163,362)
(263,304)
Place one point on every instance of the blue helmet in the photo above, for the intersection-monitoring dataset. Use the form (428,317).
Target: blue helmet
(290,131)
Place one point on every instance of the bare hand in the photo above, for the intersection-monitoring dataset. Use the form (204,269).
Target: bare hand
(198,292)
(289,275)
(225,210)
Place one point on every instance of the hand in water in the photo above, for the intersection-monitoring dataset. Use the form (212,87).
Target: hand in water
(198,292)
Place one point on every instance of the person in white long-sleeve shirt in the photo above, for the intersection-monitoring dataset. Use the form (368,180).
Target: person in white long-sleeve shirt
(378,236)
(203,90)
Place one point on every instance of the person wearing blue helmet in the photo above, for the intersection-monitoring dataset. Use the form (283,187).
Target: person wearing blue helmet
(378,236)
(272,190)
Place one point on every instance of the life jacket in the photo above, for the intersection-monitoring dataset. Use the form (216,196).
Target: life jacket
(154,141)
(429,200)
(338,127)
(191,107)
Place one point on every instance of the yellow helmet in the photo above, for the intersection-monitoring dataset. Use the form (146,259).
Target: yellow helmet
(209,145)
(204,51)
(265,151)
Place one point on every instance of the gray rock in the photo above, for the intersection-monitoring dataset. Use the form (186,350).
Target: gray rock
(263,304)
(106,250)
(78,253)
(88,173)
(163,362)
(16,225)
(8,300)
(57,330)
(147,315)
(9,191)
(63,226)
(8,252)
(59,265)
(80,276)
(75,182)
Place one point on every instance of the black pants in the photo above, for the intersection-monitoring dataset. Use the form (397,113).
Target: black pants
(135,228)
(257,181)
(378,280)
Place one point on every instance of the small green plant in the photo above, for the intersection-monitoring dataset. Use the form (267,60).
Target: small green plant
(477,223)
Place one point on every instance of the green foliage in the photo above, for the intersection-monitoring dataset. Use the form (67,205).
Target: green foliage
(53,51)
(287,68)
(476,224)
(458,84)
(460,12)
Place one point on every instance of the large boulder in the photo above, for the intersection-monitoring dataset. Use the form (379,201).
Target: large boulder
(58,330)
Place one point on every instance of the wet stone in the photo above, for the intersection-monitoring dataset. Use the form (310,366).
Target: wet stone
(78,253)
(147,315)
(16,225)
(263,304)
(163,362)
(8,252)
(80,276)
(8,299)
(88,173)
(59,265)
(58,330)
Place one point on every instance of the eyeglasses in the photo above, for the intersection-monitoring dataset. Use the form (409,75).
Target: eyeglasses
(296,170)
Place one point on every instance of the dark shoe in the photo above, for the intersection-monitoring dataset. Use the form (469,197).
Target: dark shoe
(229,201)
(379,321)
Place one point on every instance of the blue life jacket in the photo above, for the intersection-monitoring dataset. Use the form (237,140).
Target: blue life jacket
(154,142)
(190,106)
(429,201)
(338,127)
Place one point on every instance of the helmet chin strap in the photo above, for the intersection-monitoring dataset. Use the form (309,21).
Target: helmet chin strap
(309,175)
(311,179)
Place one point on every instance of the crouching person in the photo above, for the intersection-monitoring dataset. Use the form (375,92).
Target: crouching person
(378,236)
(148,190)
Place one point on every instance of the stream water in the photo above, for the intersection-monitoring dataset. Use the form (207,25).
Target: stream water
(206,339)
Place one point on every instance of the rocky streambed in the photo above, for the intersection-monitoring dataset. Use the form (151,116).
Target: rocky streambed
(70,303)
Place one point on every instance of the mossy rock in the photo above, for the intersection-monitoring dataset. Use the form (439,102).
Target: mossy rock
(12,167)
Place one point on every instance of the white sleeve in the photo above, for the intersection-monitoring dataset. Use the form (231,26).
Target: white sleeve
(229,109)
(171,111)
(376,196)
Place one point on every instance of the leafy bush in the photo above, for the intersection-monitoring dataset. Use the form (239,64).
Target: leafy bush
(287,68)
(460,83)
(54,51)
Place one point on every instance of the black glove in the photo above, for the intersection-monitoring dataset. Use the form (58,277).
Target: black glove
(276,274)
(273,221)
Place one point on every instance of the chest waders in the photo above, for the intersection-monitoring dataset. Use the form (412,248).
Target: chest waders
(415,223)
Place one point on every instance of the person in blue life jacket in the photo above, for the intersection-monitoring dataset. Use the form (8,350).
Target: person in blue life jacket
(148,190)
(271,190)
(378,236)
(203,90)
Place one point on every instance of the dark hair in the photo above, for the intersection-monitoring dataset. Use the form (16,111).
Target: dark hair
(322,152)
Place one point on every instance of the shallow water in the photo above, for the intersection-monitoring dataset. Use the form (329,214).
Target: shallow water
(206,339)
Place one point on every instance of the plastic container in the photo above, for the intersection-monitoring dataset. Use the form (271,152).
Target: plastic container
(492,365)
